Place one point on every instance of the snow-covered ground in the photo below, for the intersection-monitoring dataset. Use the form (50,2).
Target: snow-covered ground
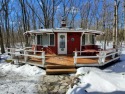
(15,79)
(96,81)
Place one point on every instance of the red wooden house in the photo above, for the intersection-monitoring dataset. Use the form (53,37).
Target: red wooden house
(63,41)
(63,49)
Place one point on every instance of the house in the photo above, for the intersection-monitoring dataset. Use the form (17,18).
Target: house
(64,40)
(63,49)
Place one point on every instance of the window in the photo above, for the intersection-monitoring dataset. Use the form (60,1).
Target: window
(46,40)
(92,40)
(39,39)
(52,39)
(88,39)
(62,41)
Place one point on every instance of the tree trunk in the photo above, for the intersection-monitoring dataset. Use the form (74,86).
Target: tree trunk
(1,41)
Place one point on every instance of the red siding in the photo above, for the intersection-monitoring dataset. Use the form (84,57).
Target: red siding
(72,45)
(49,49)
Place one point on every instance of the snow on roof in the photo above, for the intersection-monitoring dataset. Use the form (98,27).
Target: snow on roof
(39,31)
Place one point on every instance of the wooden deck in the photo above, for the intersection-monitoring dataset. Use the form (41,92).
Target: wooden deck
(69,60)
(61,64)
(57,64)
(62,60)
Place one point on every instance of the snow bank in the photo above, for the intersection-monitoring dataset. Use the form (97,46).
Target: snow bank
(30,70)
(97,81)
(25,70)
(15,79)
(18,88)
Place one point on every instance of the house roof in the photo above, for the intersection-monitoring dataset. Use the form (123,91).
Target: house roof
(40,31)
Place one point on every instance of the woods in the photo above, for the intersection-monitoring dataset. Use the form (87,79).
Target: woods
(19,16)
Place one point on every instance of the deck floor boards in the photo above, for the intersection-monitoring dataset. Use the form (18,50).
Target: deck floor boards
(62,60)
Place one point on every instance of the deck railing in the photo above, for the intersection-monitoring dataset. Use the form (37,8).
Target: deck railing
(22,52)
(101,56)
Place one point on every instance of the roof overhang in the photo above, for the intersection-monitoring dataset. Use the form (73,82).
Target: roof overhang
(96,32)
(61,30)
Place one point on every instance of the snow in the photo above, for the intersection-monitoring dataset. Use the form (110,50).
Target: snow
(96,81)
(111,80)
(25,70)
(15,79)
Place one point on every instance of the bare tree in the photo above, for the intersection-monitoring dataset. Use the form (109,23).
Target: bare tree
(85,13)
(24,17)
(1,35)
(74,9)
(1,40)
(115,28)
(6,16)
(48,8)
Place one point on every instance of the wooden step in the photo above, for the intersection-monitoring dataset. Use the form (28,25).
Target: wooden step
(59,66)
(60,71)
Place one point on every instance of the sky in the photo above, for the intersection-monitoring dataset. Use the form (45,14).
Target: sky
(15,6)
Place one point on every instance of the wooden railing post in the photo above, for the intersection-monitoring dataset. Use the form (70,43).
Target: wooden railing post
(25,57)
(34,49)
(119,51)
(114,51)
(102,56)
(75,57)
(43,58)
(12,50)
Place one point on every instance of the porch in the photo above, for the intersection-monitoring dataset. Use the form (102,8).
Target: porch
(59,64)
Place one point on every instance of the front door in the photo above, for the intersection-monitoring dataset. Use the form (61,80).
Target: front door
(62,43)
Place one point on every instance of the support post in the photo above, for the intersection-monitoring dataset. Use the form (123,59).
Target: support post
(12,50)
(75,58)
(43,58)
(25,57)
(114,51)
(34,49)
(102,56)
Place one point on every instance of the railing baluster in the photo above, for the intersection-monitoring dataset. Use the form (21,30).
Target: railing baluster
(43,58)
(102,56)
(25,57)
(75,57)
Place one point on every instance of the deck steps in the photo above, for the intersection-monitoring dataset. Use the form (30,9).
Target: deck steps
(59,66)
(60,69)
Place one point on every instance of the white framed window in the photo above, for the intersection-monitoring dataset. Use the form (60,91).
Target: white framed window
(52,39)
(88,39)
(46,39)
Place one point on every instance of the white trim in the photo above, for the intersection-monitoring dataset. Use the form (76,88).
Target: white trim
(61,30)
(80,43)
(49,40)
